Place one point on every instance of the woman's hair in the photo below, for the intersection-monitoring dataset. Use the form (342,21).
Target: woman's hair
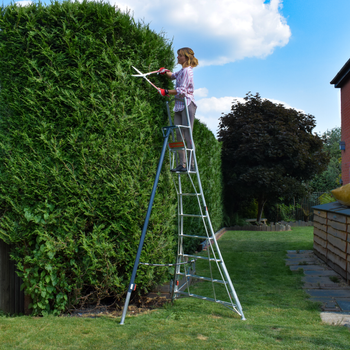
(191,60)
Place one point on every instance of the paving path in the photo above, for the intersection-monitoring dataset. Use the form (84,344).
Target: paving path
(323,285)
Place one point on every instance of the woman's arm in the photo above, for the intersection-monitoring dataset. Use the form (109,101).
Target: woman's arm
(170,75)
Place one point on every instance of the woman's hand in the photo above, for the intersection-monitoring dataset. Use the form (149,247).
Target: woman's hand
(163,70)
(163,92)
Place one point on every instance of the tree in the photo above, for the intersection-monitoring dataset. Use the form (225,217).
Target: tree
(329,179)
(268,151)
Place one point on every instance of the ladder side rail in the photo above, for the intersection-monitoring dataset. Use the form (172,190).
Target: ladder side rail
(144,230)
(218,256)
(228,278)
(180,237)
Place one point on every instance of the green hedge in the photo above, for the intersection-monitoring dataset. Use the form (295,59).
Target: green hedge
(80,141)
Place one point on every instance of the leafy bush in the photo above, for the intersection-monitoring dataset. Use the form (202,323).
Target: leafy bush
(80,141)
(327,198)
(234,220)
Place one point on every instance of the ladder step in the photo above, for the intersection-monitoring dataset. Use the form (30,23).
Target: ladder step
(193,215)
(226,303)
(194,236)
(202,278)
(201,257)
(181,126)
(176,145)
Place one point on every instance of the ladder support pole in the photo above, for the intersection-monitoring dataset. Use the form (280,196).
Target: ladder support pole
(144,230)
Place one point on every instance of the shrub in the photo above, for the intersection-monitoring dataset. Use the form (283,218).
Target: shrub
(327,198)
(80,141)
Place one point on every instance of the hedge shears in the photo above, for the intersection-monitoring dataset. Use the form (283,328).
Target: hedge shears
(144,75)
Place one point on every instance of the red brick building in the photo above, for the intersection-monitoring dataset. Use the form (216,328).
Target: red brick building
(342,81)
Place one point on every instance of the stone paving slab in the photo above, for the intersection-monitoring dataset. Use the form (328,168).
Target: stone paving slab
(300,252)
(329,305)
(300,261)
(322,286)
(321,273)
(343,304)
(306,267)
(300,257)
(317,279)
(323,299)
(338,319)
(331,293)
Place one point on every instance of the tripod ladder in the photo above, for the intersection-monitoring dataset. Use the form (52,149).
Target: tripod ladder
(188,199)
(190,195)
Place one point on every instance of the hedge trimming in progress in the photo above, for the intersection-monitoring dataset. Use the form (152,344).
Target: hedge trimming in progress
(80,141)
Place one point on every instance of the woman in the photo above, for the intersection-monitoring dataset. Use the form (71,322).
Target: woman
(183,88)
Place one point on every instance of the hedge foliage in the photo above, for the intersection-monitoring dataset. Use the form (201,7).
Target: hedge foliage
(80,141)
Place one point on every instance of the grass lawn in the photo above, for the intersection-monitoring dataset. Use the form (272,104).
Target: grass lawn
(278,313)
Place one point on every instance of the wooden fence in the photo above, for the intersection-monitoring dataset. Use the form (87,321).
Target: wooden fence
(332,237)
(11,296)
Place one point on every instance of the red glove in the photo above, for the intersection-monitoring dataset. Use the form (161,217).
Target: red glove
(163,92)
(163,70)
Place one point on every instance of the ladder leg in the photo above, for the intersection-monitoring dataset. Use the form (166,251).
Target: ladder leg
(144,230)
(180,251)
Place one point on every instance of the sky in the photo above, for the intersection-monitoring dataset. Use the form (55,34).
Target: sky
(286,50)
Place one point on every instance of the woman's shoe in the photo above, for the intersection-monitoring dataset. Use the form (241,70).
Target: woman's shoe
(179,168)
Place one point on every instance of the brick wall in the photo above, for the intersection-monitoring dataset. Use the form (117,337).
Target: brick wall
(345,131)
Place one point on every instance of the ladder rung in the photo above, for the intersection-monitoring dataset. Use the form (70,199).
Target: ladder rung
(194,236)
(206,298)
(181,126)
(193,215)
(201,257)
(202,278)
(190,194)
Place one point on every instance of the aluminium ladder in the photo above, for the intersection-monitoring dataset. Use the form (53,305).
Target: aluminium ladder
(184,275)
(213,255)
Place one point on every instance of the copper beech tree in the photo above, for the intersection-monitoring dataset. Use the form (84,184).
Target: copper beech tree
(268,151)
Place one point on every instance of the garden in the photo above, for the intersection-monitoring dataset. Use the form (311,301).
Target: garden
(80,141)
(278,312)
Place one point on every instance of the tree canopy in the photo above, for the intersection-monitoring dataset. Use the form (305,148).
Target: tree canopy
(268,151)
